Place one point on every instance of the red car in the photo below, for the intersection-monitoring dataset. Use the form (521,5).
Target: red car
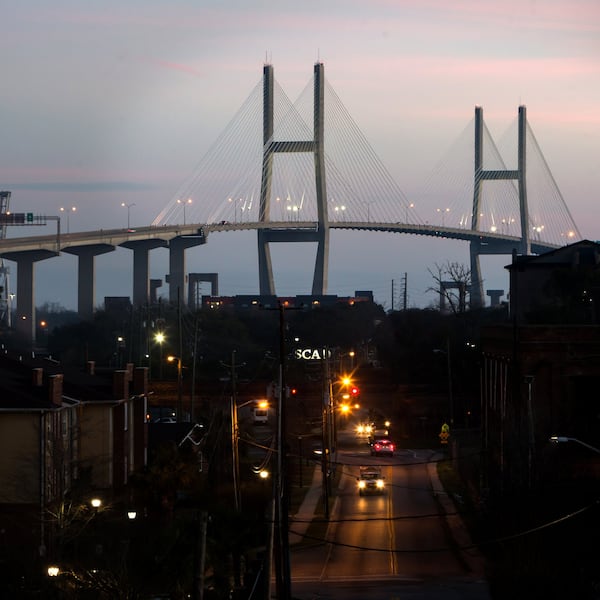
(384,446)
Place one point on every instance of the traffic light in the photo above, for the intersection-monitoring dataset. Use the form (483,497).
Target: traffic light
(354,391)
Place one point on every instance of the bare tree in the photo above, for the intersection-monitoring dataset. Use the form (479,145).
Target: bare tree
(452,284)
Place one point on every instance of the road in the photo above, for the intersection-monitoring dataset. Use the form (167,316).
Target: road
(392,546)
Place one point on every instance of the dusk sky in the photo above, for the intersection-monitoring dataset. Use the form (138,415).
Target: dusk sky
(105,103)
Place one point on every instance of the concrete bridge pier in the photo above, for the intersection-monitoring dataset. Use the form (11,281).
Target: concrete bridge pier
(141,268)
(194,279)
(176,276)
(154,285)
(25,322)
(476,290)
(86,276)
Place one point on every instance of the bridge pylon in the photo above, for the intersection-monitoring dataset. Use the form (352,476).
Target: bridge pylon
(317,148)
(481,175)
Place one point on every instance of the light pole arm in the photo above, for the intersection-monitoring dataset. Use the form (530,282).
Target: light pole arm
(557,439)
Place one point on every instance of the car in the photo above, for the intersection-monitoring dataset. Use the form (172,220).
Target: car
(377,434)
(370,481)
(364,429)
(383,446)
(166,420)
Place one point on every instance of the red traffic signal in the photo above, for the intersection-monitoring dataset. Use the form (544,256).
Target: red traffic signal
(354,391)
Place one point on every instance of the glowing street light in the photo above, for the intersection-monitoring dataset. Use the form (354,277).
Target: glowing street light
(124,204)
(184,203)
(235,436)
(68,211)
(179,386)
(443,212)
(159,338)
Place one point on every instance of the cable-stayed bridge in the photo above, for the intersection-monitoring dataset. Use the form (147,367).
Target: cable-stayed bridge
(295,171)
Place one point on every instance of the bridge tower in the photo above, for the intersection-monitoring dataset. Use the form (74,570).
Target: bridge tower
(271,147)
(482,175)
(5,307)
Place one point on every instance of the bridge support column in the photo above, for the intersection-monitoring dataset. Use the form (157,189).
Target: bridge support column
(86,276)
(266,283)
(476,291)
(25,321)
(194,279)
(495,296)
(321,275)
(141,268)
(154,285)
(176,276)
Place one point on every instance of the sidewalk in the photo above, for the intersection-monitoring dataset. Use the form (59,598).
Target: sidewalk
(301,520)
(469,554)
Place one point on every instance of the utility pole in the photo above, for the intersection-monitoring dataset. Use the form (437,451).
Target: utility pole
(234,435)
(392,295)
(194,358)
(282,543)
(405,292)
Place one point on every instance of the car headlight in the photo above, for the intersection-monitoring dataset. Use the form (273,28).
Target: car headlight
(362,484)
(380,484)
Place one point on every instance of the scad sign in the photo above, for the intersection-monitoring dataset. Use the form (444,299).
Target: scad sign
(312,353)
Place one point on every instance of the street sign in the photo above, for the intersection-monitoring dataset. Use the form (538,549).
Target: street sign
(12,218)
(445,433)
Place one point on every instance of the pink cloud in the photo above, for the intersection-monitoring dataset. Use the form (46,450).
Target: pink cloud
(172,66)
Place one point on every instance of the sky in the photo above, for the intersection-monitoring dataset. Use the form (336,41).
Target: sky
(107,103)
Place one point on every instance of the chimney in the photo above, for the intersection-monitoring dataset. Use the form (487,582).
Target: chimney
(90,367)
(120,385)
(37,377)
(55,389)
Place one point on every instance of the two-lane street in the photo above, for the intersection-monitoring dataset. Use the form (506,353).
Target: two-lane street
(390,545)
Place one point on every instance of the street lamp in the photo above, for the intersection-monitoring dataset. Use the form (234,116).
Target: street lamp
(235,455)
(128,212)
(368,205)
(119,351)
(68,211)
(179,387)
(443,211)
(159,338)
(184,202)
(558,439)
